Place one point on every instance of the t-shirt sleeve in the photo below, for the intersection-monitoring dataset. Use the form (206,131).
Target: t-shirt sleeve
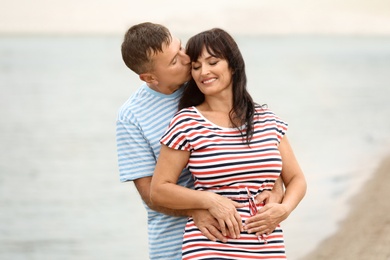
(135,155)
(176,137)
(281,128)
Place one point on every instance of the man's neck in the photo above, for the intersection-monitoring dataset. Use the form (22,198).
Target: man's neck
(166,91)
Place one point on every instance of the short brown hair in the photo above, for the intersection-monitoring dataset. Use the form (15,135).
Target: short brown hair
(140,42)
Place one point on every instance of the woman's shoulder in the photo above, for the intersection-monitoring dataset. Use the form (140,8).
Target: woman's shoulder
(264,114)
(184,114)
(187,111)
(263,110)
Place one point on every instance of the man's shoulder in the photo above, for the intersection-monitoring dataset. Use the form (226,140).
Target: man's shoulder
(133,104)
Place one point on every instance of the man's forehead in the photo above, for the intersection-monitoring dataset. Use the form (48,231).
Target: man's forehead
(169,51)
(174,45)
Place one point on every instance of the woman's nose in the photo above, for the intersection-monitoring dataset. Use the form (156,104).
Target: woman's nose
(204,70)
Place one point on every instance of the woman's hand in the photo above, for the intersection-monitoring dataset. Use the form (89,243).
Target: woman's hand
(266,219)
(224,210)
(208,225)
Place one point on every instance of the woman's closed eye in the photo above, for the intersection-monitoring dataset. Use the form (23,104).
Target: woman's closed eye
(196,66)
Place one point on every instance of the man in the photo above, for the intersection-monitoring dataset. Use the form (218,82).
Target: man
(160,61)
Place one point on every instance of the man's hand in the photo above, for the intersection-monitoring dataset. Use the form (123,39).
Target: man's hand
(208,225)
(274,196)
(224,210)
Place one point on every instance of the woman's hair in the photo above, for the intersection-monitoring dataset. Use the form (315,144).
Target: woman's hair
(220,44)
(140,42)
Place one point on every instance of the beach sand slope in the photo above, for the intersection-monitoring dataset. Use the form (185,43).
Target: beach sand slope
(365,233)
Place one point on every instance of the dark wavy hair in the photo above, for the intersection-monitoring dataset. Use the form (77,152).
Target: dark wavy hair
(220,44)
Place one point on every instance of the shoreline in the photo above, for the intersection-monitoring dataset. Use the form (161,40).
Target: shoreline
(365,232)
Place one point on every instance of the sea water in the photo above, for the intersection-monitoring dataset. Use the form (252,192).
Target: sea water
(60,196)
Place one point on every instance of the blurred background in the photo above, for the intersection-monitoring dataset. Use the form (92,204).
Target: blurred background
(322,66)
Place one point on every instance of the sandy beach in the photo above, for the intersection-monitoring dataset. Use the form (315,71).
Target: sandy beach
(365,233)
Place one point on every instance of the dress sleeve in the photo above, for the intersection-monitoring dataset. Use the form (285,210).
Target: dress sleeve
(281,128)
(176,137)
(272,122)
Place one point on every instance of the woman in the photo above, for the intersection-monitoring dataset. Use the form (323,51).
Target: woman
(233,147)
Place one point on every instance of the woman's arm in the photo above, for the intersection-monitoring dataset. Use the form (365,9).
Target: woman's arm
(292,176)
(165,192)
(202,218)
(269,216)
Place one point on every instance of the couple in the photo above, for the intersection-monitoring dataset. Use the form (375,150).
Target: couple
(219,161)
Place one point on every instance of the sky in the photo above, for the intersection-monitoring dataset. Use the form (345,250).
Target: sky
(352,17)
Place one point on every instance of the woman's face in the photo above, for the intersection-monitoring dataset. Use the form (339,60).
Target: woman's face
(211,74)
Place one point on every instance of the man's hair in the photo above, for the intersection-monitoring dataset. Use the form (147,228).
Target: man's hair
(141,41)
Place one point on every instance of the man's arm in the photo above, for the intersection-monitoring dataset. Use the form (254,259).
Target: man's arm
(206,223)
(129,140)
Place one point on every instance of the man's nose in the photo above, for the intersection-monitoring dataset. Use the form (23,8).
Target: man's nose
(184,57)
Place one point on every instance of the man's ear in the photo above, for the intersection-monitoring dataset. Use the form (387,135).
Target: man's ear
(147,77)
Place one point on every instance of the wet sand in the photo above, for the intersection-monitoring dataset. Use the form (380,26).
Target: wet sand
(365,233)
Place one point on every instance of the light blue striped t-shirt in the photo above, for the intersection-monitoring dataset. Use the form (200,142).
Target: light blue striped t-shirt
(141,122)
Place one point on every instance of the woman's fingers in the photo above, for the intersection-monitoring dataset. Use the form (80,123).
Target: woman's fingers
(231,225)
(225,211)
(238,205)
(260,229)
(234,225)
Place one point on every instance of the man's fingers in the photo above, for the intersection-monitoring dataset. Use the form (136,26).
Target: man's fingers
(263,197)
(230,228)
(222,226)
(234,226)
(264,209)
(239,222)
(214,232)
(208,234)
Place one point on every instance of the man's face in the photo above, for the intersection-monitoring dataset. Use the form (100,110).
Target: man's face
(171,67)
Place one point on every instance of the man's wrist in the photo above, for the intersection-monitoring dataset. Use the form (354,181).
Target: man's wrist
(189,212)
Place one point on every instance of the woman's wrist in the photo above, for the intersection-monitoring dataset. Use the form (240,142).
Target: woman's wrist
(209,199)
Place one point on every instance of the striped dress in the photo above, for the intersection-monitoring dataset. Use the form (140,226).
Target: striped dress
(222,163)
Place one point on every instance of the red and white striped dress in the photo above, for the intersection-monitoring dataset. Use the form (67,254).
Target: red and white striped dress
(222,163)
